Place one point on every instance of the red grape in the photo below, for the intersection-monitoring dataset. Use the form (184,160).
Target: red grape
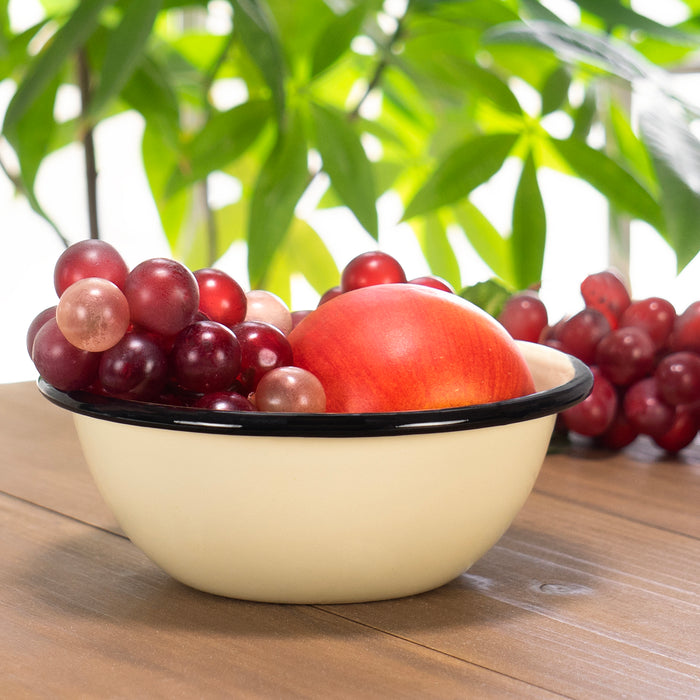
(653,315)
(524,316)
(581,334)
(206,356)
(606,292)
(686,330)
(329,294)
(290,389)
(595,414)
(267,307)
(224,401)
(619,433)
(221,298)
(59,362)
(163,295)
(263,347)
(91,258)
(646,410)
(135,368)
(678,378)
(39,320)
(93,314)
(434,282)
(625,355)
(373,267)
(681,433)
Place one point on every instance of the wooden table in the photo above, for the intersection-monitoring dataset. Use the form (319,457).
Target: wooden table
(592,593)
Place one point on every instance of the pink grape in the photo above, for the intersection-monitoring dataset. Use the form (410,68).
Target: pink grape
(290,389)
(267,307)
(90,258)
(59,362)
(93,314)
(163,296)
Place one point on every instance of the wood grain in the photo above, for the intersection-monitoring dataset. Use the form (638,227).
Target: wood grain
(594,592)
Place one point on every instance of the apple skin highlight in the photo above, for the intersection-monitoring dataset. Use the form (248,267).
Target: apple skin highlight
(406,347)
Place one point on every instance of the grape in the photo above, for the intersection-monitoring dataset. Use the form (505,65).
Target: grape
(93,314)
(59,362)
(524,316)
(606,292)
(39,320)
(681,433)
(646,410)
(625,355)
(367,269)
(268,308)
(163,295)
(263,347)
(135,368)
(299,316)
(595,414)
(206,356)
(686,330)
(224,401)
(581,334)
(221,298)
(434,282)
(678,378)
(330,294)
(290,389)
(91,258)
(653,315)
(619,433)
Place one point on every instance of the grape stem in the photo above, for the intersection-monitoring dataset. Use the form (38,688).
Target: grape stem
(88,143)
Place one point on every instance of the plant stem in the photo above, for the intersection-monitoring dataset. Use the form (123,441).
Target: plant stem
(88,143)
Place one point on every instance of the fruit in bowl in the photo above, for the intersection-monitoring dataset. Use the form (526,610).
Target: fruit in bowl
(435,426)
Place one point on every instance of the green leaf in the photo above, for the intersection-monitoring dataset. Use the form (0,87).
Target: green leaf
(347,165)
(124,50)
(610,179)
(435,244)
(488,243)
(490,295)
(585,115)
(282,180)
(675,153)
(555,89)
(254,26)
(335,39)
(52,58)
(223,139)
(529,227)
(469,165)
(491,86)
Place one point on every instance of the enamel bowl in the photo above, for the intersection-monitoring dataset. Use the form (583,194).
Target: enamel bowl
(321,508)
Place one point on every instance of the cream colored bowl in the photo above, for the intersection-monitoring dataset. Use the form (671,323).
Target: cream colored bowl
(321,508)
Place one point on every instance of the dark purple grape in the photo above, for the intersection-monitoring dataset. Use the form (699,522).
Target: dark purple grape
(646,410)
(224,401)
(263,347)
(682,431)
(39,320)
(206,357)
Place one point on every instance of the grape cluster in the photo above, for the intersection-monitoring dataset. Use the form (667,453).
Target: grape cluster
(162,333)
(644,356)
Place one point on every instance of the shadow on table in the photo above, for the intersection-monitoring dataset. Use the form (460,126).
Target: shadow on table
(99,576)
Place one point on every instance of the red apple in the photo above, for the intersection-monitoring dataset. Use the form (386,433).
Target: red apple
(401,347)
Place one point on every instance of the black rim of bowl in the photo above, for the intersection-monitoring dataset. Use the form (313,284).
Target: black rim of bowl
(154,415)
